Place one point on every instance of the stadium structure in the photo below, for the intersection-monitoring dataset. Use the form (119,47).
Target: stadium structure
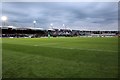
(36,32)
(33,32)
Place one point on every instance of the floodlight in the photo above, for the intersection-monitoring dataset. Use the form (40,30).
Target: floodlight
(3,18)
(51,24)
(34,22)
(63,24)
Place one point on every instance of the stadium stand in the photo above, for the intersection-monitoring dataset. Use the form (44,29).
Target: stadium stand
(11,31)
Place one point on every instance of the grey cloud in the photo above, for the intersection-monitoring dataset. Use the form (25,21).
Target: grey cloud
(72,14)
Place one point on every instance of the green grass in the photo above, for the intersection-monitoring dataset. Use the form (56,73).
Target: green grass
(60,57)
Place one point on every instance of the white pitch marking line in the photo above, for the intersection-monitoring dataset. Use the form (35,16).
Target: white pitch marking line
(35,45)
(46,44)
(82,49)
(87,49)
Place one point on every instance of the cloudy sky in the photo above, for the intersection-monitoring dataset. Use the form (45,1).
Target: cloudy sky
(75,15)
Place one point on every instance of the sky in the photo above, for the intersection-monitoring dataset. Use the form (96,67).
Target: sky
(74,15)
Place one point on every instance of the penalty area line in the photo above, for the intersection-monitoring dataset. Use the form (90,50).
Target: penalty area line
(86,49)
(79,49)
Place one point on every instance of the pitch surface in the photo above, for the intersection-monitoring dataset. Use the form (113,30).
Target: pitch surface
(73,57)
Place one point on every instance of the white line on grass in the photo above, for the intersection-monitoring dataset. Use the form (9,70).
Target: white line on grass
(81,49)
(45,44)
(87,49)
(35,45)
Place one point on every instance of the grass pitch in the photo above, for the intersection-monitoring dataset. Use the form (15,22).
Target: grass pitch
(60,57)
